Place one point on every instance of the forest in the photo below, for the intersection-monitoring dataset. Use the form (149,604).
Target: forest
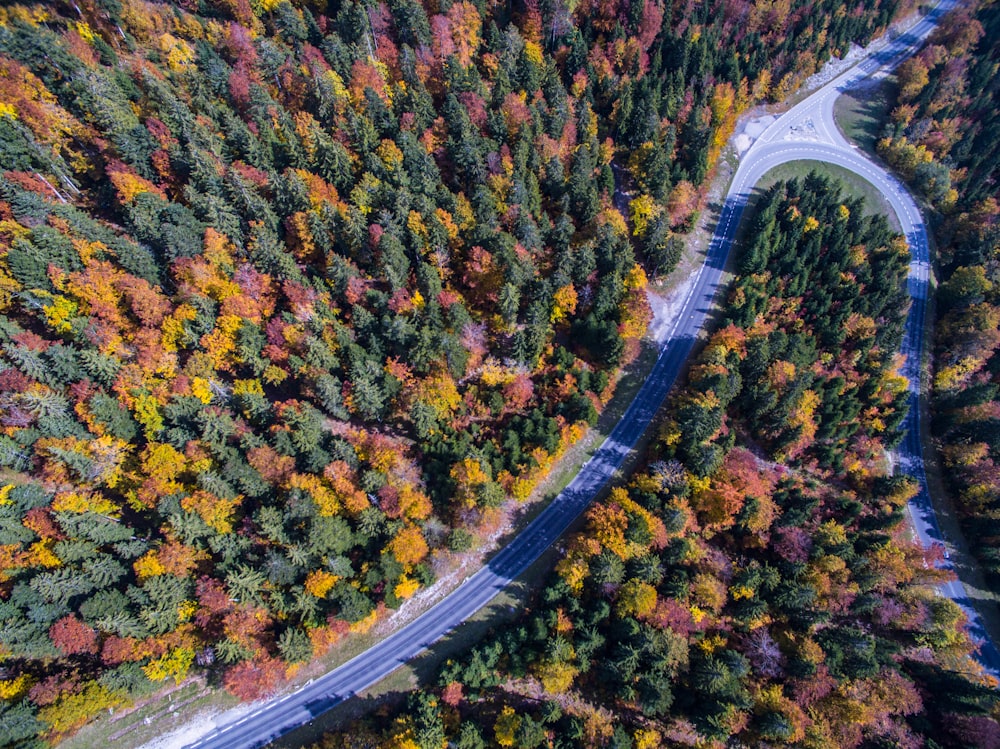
(295,296)
(944,135)
(754,583)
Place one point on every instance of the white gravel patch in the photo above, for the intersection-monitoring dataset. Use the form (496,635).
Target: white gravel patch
(198,725)
(742,143)
(755,127)
(750,131)
(666,307)
(835,65)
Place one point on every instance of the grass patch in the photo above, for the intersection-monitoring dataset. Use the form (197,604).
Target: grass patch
(861,111)
(855,185)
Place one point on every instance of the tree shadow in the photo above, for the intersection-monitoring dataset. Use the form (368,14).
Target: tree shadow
(869,100)
(423,670)
(714,209)
(337,718)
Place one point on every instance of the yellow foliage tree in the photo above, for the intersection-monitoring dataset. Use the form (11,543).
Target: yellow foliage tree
(770,699)
(642,210)
(215,511)
(326,499)
(11,689)
(636,278)
(409,546)
(174,664)
(563,303)
(466,31)
(556,676)
(148,565)
(163,461)
(147,413)
(636,598)
(607,523)
(130,185)
(573,570)
(469,475)
(319,582)
(505,728)
(71,711)
(647,738)
(406,587)
(438,391)
(179,53)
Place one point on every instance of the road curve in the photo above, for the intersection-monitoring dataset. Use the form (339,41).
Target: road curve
(910,452)
(284,714)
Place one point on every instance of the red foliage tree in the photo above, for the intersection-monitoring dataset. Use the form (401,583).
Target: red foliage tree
(50,689)
(246,625)
(117,650)
(674,615)
(811,689)
(649,26)
(72,636)
(975,730)
(214,601)
(452,694)
(792,544)
(274,468)
(254,679)
(475,106)
(441,40)
(518,392)
(239,87)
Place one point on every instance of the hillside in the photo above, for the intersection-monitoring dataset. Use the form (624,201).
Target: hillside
(295,296)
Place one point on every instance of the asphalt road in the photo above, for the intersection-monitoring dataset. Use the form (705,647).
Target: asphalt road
(794,136)
(910,452)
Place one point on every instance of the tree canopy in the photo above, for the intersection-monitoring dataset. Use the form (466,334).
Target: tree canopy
(294,296)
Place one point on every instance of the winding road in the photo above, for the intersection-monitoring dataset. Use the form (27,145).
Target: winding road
(807,131)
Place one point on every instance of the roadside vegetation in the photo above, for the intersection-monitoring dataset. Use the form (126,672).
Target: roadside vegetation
(942,136)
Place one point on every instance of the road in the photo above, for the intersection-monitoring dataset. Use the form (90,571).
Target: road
(808,131)
(798,134)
